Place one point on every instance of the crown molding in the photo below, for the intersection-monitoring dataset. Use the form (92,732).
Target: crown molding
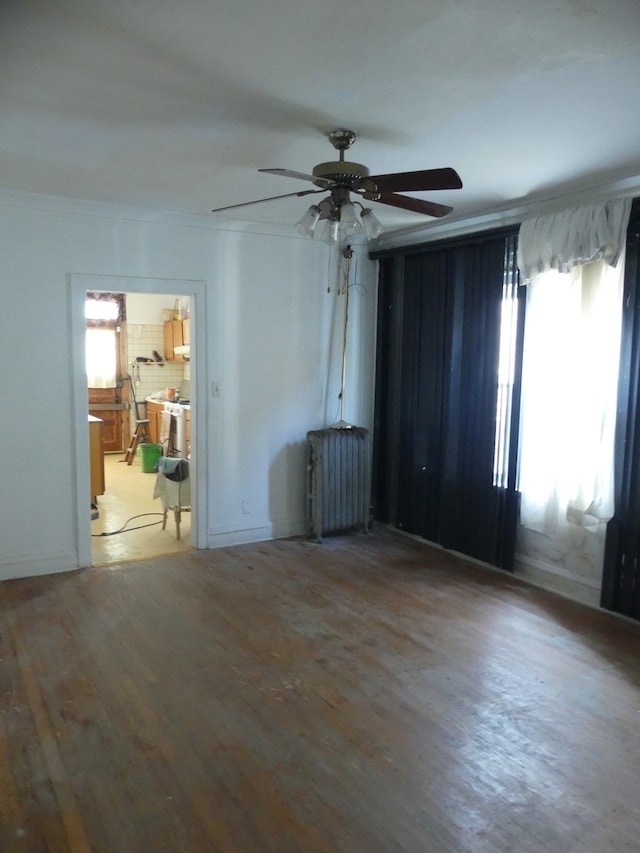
(498,217)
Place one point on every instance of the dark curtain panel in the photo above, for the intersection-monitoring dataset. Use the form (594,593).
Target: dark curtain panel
(437,385)
(384,472)
(408,436)
(621,576)
(423,354)
(470,503)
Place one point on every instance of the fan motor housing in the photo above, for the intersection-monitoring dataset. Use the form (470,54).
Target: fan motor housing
(345,174)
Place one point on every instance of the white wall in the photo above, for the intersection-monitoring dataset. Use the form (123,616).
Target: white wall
(150,309)
(571,562)
(264,338)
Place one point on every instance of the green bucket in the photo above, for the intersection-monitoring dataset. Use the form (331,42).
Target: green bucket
(149,455)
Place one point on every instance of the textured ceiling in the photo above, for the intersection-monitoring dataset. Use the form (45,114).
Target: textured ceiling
(175,105)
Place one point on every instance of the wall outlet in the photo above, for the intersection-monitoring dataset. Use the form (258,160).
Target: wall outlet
(246,507)
(215,388)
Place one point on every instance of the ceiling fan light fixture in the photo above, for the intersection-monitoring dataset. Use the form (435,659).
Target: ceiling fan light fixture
(370,223)
(349,221)
(307,223)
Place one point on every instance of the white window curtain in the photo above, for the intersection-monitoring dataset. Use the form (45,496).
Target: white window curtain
(573,267)
(101,358)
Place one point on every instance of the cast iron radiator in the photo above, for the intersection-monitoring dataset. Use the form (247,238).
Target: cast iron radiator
(338,480)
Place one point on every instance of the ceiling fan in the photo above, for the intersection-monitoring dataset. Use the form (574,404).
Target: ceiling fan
(342,178)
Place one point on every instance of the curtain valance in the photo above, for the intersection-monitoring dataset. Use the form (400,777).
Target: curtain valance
(561,241)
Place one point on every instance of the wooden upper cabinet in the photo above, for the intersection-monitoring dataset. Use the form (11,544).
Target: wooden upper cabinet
(168,340)
(174,337)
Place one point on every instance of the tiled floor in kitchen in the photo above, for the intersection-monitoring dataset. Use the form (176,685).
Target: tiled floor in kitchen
(129,493)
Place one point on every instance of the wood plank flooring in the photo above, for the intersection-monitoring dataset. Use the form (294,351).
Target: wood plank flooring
(368,694)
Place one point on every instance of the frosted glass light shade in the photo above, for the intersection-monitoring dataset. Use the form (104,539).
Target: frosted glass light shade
(349,221)
(307,223)
(372,226)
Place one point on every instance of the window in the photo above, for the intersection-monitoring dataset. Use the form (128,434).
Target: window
(101,358)
(570,375)
(102,309)
(573,263)
(103,313)
(506,365)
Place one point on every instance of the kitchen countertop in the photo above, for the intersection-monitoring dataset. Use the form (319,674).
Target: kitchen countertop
(162,402)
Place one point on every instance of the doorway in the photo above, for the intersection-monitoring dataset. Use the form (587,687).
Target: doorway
(144,371)
(138,356)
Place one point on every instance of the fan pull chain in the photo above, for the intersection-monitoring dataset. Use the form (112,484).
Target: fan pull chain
(347,254)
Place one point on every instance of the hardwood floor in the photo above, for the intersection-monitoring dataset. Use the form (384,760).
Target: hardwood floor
(368,694)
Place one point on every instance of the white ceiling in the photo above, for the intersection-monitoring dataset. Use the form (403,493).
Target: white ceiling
(174,104)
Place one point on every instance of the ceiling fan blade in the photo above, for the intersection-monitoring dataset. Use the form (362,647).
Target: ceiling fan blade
(417,205)
(260,200)
(287,173)
(428,179)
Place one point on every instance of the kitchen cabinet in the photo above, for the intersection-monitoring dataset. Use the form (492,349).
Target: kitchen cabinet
(174,336)
(96,457)
(154,416)
(107,405)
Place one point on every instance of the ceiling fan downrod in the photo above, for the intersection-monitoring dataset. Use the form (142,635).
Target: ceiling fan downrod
(342,139)
(343,175)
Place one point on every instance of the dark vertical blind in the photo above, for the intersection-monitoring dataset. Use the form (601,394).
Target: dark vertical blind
(422,361)
(437,385)
(469,513)
(621,576)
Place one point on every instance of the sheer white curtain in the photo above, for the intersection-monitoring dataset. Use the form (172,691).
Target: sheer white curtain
(572,266)
(101,358)
(101,343)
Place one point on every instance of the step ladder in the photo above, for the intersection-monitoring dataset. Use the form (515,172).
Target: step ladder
(140,436)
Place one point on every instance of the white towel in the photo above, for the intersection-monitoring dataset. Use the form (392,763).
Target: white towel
(172,494)
(165,430)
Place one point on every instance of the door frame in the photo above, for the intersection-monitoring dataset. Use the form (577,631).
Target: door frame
(195,290)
